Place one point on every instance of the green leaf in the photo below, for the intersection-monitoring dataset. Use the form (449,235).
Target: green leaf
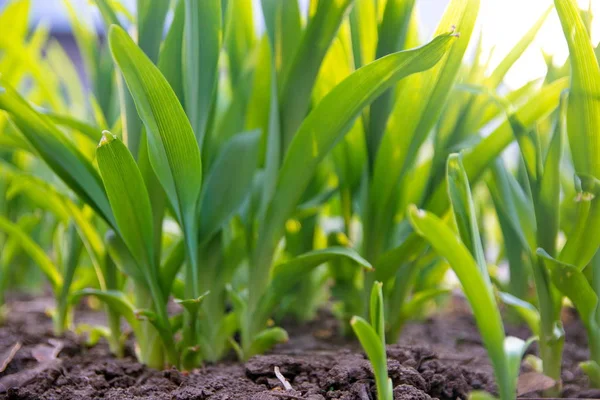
(515,53)
(286,275)
(239,36)
(129,200)
(151,16)
(315,139)
(266,339)
(377,310)
(548,200)
(392,38)
(115,300)
(573,284)
(202,44)
(34,251)
(463,208)
(228,182)
(192,305)
(583,115)
(515,348)
(61,155)
(363,27)
(300,78)
(476,288)
(172,147)
(375,350)
(592,370)
(419,103)
(170,60)
(526,311)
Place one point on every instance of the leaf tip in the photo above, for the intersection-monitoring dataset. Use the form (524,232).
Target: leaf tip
(107,137)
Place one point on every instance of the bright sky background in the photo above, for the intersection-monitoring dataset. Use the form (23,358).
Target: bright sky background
(504,23)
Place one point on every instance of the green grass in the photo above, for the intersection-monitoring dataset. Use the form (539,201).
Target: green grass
(334,159)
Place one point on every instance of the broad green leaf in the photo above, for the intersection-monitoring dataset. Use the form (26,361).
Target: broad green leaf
(172,147)
(315,139)
(202,44)
(129,200)
(477,290)
(57,151)
(228,182)
(375,349)
(459,192)
(34,251)
(299,79)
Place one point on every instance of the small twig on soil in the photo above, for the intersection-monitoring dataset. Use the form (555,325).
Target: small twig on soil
(285,395)
(282,379)
(9,356)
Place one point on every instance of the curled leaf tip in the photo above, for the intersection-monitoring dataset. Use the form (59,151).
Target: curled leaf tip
(353,320)
(453,32)
(107,137)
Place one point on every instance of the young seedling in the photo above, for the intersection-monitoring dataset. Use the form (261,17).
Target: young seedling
(465,255)
(372,339)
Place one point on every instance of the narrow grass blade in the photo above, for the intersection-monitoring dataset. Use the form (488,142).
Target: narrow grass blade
(239,36)
(170,59)
(375,350)
(57,151)
(363,27)
(417,107)
(477,291)
(300,78)
(463,208)
(202,44)
(315,138)
(34,251)
(151,16)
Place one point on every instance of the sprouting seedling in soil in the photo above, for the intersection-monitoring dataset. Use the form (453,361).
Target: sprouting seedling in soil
(372,339)
(464,253)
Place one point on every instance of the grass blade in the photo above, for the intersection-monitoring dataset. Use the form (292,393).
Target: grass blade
(315,139)
(202,44)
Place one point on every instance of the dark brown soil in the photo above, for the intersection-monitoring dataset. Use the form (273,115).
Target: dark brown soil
(441,357)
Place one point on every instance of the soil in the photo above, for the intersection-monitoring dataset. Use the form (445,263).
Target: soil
(441,357)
